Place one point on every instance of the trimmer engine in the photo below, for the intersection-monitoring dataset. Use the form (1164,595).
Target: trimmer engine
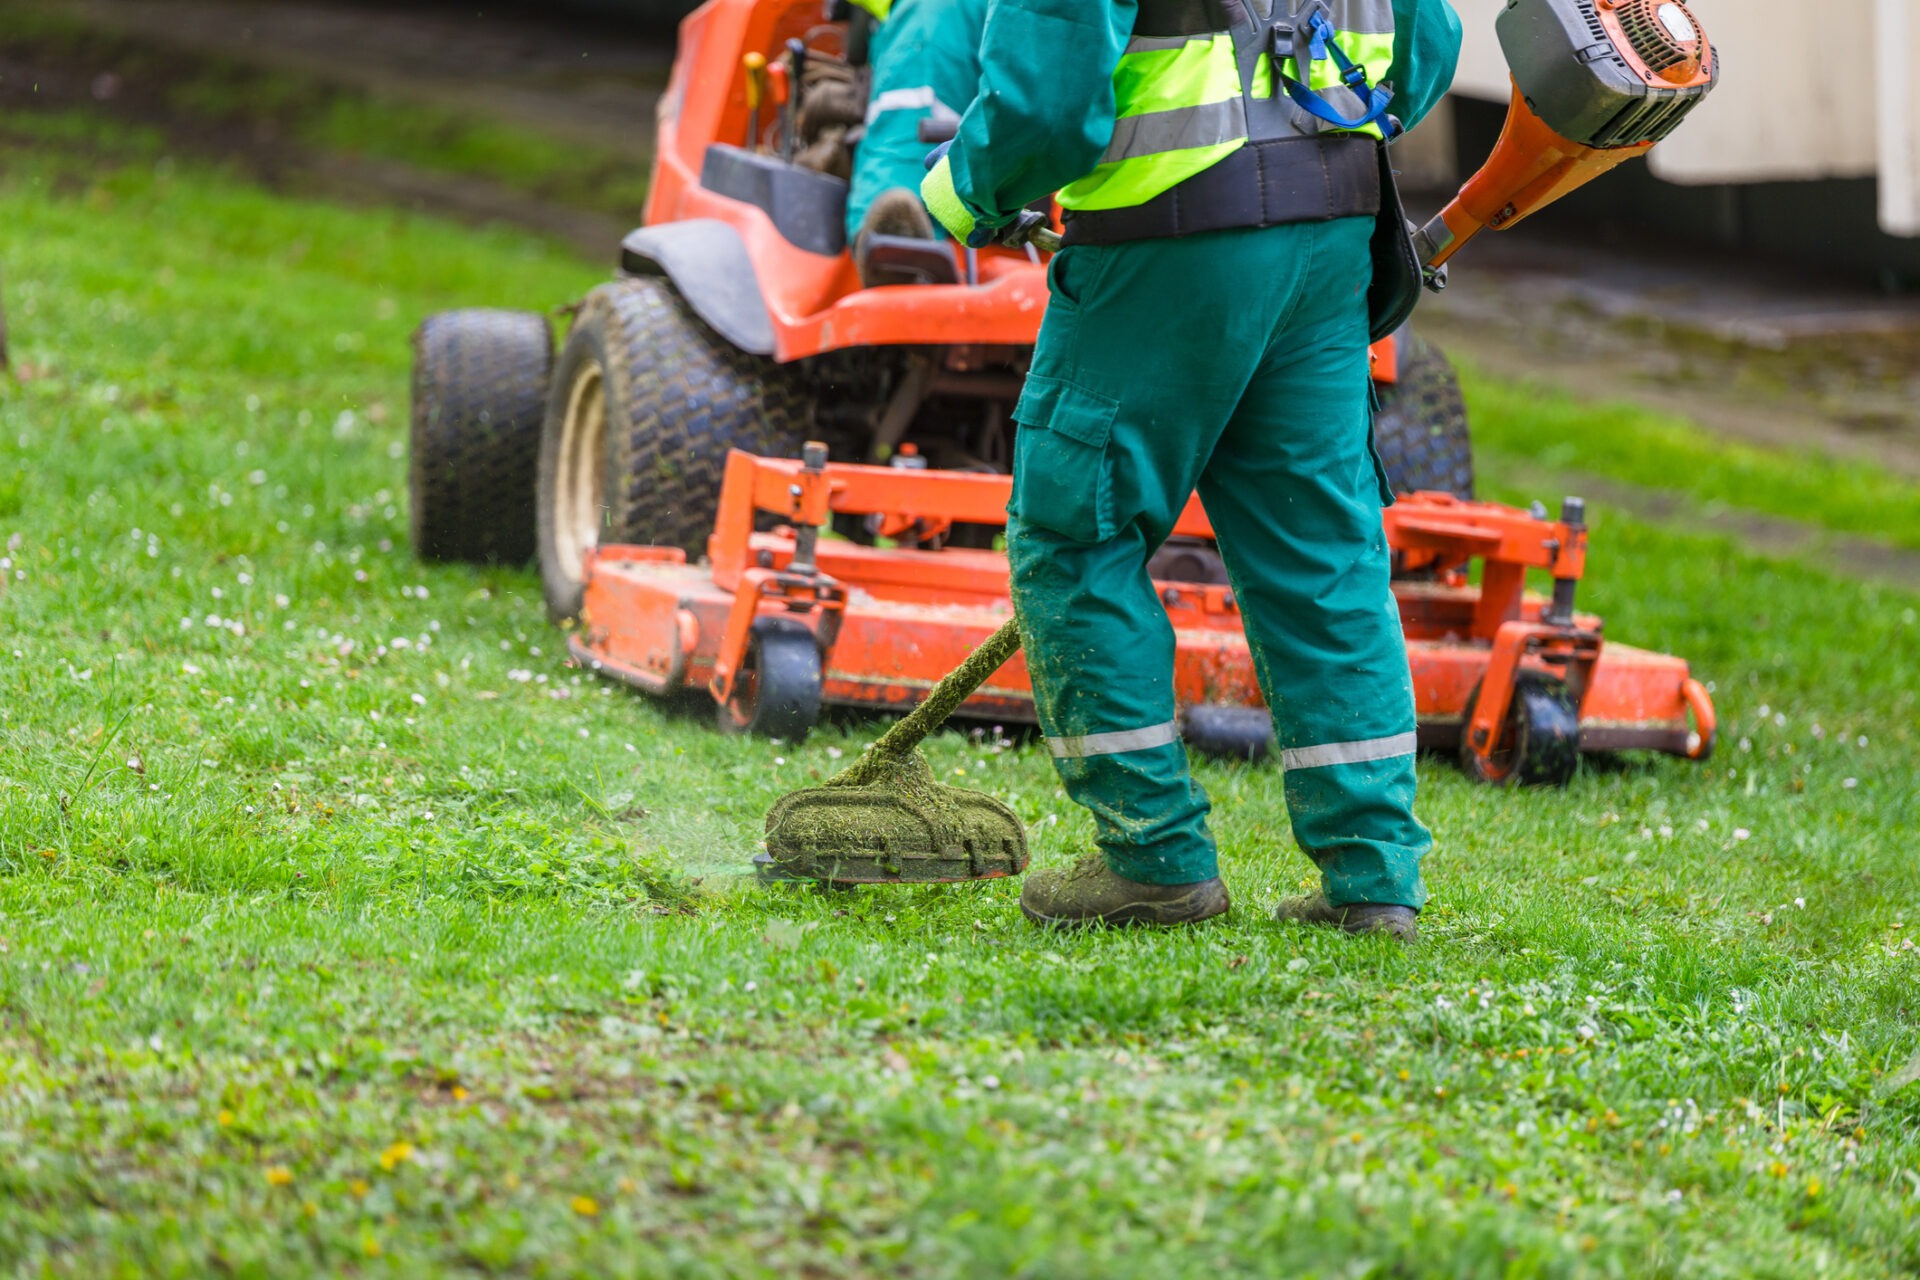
(1596,83)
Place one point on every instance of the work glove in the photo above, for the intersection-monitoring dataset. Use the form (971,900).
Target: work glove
(944,203)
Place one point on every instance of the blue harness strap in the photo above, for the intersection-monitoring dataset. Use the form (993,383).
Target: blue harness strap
(1321,43)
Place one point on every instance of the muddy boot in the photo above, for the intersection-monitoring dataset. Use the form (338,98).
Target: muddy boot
(894,212)
(1089,893)
(1364,917)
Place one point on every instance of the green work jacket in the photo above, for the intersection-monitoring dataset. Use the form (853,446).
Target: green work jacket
(1045,112)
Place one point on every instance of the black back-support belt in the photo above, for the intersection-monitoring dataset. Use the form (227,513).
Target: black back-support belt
(1263,184)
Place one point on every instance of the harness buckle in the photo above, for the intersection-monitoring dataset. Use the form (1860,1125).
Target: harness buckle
(1303,36)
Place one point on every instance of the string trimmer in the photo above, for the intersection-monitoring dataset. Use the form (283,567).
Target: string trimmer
(884,819)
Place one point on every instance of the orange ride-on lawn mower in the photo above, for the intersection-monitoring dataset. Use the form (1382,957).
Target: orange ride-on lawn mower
(670,469)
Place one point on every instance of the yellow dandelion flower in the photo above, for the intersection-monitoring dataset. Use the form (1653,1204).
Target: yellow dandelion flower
(396,1155)
(1405,1074)
(460,1093)
(586,1206)
(1813,1188)
(359,1188)
(278,1175)
(1778,1169)
(224,1119)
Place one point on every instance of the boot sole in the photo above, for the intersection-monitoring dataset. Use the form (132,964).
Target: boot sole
(1156,914)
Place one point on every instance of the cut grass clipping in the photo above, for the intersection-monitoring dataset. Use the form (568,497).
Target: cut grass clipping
(345,928)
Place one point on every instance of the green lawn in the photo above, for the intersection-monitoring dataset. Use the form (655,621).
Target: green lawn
(345,930)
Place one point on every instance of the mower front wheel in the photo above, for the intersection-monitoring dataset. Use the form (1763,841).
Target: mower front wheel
(1539,742)
(647,401)
(776,693)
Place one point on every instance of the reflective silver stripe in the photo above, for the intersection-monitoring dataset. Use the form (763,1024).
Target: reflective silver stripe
(921,98)
(1112,744)
(1343,100)
(1176,130)
(1400,744)
(1363,17)
(1158,44)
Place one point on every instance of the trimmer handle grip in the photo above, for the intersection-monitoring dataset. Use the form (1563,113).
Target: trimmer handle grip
(1031,227)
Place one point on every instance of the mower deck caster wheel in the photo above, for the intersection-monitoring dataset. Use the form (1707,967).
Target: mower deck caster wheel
(777,691)
(1540,741)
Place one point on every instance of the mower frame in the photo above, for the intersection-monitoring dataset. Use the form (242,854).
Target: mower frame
(887,622)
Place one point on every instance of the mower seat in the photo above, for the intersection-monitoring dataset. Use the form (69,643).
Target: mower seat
(808,208)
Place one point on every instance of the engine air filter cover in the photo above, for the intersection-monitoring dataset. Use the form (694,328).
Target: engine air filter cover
(1608,73)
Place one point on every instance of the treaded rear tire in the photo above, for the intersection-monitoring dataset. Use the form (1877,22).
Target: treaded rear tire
(479,395)
(674,397)
(1421,431)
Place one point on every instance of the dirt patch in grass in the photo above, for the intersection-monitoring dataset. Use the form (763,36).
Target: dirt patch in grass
(314,132)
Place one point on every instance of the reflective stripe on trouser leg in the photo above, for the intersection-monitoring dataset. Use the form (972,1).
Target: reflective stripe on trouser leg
(1362,752)
(1116,742)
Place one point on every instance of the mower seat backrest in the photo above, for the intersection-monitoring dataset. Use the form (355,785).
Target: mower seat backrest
(928,261)
(809,209)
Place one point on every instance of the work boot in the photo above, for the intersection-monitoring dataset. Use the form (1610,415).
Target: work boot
(1363,917)
(894,212)
(1088,892)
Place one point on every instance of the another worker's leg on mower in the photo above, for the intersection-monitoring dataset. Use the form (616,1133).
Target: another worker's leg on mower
(1294,493)
(1139,367)
(926,66)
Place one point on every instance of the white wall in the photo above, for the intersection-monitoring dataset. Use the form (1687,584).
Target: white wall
(1898,67)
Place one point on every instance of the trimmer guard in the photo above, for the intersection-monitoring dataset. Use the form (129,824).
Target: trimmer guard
(901,828)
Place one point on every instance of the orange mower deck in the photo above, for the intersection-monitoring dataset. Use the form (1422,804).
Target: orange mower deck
(888,623)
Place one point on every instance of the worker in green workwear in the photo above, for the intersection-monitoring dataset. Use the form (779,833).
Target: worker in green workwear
(1218,169)
(925,60)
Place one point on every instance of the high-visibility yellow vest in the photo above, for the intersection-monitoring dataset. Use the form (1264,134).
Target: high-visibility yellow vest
(1198,82)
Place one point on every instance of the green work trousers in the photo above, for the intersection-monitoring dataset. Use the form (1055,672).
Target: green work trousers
(926,65)
(1236,363)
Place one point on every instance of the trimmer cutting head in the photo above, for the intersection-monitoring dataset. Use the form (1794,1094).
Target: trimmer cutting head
(887,821)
